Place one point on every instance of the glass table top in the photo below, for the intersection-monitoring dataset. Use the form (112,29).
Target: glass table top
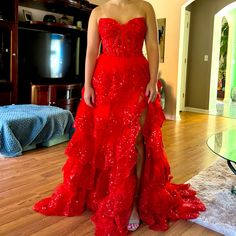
(224,144)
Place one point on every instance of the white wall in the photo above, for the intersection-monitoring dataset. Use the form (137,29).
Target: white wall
(171,10)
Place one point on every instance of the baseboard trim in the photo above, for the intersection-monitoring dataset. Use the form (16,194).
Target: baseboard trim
(189,109)
(196,110)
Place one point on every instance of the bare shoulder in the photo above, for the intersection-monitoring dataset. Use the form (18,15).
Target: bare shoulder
(147,9)
(146,6)
(96,12)
(99,11)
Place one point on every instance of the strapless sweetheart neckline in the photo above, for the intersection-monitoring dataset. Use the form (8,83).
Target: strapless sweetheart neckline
(119,23)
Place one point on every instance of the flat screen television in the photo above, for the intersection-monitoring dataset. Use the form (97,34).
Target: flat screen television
(51,58)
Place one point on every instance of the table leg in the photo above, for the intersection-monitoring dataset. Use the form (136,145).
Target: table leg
(233,189)
(231,166)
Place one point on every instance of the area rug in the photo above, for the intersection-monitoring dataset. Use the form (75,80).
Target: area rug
(214,189)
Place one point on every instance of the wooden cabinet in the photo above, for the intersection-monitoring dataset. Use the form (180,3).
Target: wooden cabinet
(66,96)
(5,93)
(40,94)
(8,51)
(16,83)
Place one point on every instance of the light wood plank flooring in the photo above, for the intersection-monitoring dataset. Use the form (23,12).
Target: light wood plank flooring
(34,175)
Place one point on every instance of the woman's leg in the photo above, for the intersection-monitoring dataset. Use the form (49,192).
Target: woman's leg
(140,159)
(139,145)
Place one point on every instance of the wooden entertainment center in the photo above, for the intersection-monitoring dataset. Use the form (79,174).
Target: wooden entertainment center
(17,86)
(65,96)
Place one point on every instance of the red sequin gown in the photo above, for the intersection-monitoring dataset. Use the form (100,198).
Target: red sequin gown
(100,171)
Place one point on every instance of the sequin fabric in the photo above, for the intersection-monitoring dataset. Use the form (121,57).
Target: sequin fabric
(100,171)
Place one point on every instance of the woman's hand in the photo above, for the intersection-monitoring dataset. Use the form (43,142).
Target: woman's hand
(151,91)
(89,96)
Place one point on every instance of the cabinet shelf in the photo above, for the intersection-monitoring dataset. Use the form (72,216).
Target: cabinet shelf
(59,6)
(48,26)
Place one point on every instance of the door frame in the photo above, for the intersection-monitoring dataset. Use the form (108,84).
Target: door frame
(184,60)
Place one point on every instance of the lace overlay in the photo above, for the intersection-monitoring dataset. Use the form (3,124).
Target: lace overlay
(100,171)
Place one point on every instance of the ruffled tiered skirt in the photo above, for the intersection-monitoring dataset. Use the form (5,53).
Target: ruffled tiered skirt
(100,173)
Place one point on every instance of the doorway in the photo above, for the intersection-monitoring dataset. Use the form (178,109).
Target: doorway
(218,105)
(184,59)
(214,70)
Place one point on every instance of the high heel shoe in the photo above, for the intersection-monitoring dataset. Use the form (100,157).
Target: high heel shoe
(133,225)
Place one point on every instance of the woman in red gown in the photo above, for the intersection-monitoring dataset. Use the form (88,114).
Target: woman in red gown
(116,163)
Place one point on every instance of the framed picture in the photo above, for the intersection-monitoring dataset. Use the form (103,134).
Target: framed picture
(161,36)
(27,15)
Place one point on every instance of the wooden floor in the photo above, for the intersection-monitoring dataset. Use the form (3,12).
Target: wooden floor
(34,175)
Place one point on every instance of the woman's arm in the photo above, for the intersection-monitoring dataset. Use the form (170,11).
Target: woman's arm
(152,47)
(93,42)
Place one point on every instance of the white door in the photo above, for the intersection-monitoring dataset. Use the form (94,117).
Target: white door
(184,59)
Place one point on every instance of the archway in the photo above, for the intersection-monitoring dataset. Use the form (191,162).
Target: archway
(225,12)
(215,54)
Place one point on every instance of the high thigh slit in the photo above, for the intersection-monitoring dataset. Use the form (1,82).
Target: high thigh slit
(140,149)
(99,173)
(134,220)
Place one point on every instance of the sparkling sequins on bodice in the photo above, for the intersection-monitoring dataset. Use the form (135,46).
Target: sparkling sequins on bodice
(122,39)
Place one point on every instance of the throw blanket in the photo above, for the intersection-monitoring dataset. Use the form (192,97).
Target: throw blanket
(24,125)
